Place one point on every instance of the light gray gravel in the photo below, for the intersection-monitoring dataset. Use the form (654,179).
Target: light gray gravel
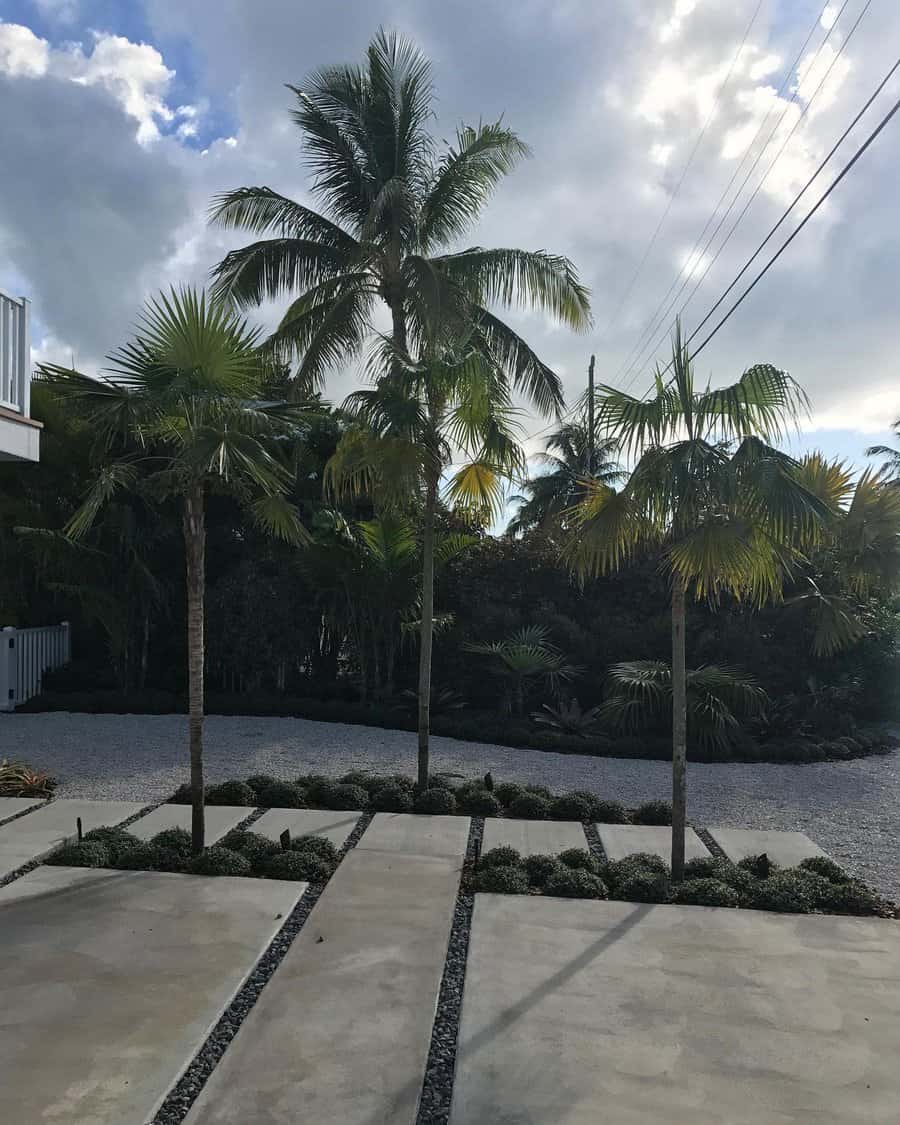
(849,808)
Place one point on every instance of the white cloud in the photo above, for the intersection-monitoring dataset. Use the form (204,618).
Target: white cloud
(829,16)
(672,27)
(22,53)
(661,153)
(868,413)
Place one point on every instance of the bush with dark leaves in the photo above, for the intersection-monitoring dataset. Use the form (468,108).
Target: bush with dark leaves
(435,801)
(530,806)
(507,791)
(642,885)
(579,859)
(611,812)
(791,892)
(150,857)
(298,866)
(361,778)
(474,800)
(504,856)
(502,880)
(539,868)
(653,812)
(113,839)
(219,861)
(637,862)
(722,871)
(253,845)
(852,897)
(89,853)
(705,892)
(182,795)
(566,882)
(759,866)
(319,846)
(573,806)
(344,797)
(281,795)
(392,797)
(260,781)
(827,868)
(231,793)
(540,791)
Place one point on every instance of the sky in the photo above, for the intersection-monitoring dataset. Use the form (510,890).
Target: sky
(119,121)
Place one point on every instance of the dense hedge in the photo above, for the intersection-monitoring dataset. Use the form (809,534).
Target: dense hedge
(471,726)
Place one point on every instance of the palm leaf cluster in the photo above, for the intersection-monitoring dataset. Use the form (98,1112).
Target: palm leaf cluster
(524,658)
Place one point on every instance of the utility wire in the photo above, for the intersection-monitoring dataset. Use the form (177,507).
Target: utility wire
(653,324)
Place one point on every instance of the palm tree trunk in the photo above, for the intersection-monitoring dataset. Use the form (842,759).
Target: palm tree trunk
(195,555)
(679,729)
(427,633)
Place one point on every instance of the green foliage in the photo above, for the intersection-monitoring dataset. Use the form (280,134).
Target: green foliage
(611,812)
(392,797)
(759,866)
(181,796)
(504,856)
(642,886)
(852,897)
(319,846)
(436,801)
(791,892)
(362,778)
(237,793)
(114,839)
(507,791)
(579,859)
(705,892)
(335,795)
(176,840)
(567,717)
(252,845)
(508,880)
(219,861)
(302,866)
(475,800)
(539,868)
(653,812)
(524,659)
(530,806)
(579,804)
(567,882)
(88,853)
(827,868)
(281,795)
(260,781)
(19,780)
(150,857)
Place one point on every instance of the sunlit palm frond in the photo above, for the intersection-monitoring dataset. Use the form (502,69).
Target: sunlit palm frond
(276,516)
(529,374)
(607,530)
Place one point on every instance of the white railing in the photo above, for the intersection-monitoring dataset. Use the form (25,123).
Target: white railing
(25,655)
(15,354)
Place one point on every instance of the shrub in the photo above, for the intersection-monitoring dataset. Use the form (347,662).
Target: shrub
(579,859)
(622,869)
(611,812)
(301,866)
(705,892)
(308,781)
(219,861)
(476,801)
(530,806)
(504,856)
(435,801)
(358,777)
(722,871)
(392,797)
(150,857)
(181,796)
(572,806)
(260,781)
(440,781)
(852,897)
(253,845)
(642,885)
(759,866)
(790,892)
(175,839)
(88,853)
(539,868)
(507,791)
(396,779)
(653,812)
(231,793)
(502,880)
(281,795)
(340,796)
(827,868)
(319,846)
(539,791)
(19,780)
(113,839)
(565,882)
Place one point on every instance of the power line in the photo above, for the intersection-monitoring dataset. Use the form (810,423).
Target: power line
(653,324)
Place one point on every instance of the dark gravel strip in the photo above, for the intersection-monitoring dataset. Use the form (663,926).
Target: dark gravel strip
(595,844)
(24,812)
(251,818)
(714,850)
(185,1092)
(437,1086)
(38,860)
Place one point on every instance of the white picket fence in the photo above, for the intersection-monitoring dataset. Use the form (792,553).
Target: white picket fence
(15,354)
(25,655)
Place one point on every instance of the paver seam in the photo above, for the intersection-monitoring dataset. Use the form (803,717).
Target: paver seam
(178,1102)
(707,837)
(440,1067)
(24,812)
(595,844)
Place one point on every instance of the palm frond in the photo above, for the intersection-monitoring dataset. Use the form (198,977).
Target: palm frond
(262,211)
(276,516)
(529,374)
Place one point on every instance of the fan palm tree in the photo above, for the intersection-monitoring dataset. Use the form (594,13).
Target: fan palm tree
(548,495)
(526,657)
(443,425)
(177,413)
(391,208)
(721,507)
(890,469)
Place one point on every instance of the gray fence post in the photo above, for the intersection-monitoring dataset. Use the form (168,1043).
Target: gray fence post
(8,668)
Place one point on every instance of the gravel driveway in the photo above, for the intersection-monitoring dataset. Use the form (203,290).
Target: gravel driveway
(849,808)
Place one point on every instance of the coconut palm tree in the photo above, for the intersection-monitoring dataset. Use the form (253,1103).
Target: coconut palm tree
(719,505)
(568,459)
(393,206)
(178,415)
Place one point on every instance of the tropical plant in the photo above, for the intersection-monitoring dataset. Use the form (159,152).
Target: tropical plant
(891,466)
(718,698)
(721,508)
(179,402)
(568,459)
(567,717)
(20,780)
(523,659)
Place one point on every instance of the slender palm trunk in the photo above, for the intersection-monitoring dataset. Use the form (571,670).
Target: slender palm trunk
(195,554)
(427,629)
(679,729)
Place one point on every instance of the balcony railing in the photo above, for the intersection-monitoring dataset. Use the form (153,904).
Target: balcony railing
(15,354)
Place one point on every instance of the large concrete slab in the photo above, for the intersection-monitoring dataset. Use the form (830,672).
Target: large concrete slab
(12,806)
(620,840)
(219,820)
(627,1014)
(111,980)
(787,849)
(340,1035)
(533,837)
(334,826)
(409,834)
(34,835)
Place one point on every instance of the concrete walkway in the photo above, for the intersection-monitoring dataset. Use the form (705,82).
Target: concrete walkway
(39,832)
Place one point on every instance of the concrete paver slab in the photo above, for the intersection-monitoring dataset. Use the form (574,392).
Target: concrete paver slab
(111,980)
(533,837)
(34,835)
(334,826)
(12,806)
(219,820)
(627,1013)
(620,840)
(787,849)
(409,834)
(341,1032)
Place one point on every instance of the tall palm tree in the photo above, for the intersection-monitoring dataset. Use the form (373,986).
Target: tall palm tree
(568,457)
(720,506)
(178,412)
(442,425)
(392,207)
(891,467)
